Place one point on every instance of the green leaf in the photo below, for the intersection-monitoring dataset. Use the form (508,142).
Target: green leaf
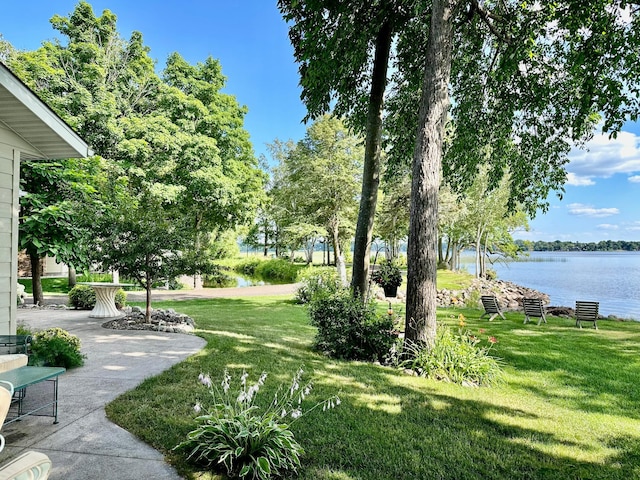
(264,465)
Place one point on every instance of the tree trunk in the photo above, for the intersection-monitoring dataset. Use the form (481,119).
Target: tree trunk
(427,159)
(371,171)
(148,285)
(339,258)
(72,277)
(478,252)
(36,277)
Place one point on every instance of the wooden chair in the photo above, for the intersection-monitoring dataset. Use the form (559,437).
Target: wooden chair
(533,308)
(587,312)
(491,307)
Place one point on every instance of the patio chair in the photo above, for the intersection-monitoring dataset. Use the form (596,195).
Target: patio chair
(491,307)
(29,465)
(533,308)
(587,312)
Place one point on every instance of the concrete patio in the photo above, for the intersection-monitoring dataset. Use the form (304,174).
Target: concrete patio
(85,444)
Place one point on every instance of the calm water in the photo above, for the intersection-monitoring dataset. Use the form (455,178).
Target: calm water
(611,278)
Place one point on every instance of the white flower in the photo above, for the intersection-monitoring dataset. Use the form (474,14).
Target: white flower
(262,378)
(243,378)
(197,407)
(284,413)
(242,397)
(337,400)
(225,381)
(205,380)
(297,413)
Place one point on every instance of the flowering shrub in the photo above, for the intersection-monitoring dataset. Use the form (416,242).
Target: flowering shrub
(238,438)
(57,348)
(459,358)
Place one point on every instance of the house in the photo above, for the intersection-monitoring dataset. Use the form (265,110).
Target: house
(29,129)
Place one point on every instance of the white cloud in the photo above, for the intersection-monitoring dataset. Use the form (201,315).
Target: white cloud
(603,157)
(576,181)
(608,226)
(634,179)
(590,211)
(634,227)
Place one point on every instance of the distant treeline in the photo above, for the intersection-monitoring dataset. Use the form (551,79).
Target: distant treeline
(559,246)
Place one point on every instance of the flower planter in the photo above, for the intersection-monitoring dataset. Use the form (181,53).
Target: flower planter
(390,290)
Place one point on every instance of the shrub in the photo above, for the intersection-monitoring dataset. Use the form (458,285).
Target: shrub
(248,267)
(236,437)
(456,358)
(276,269)
(279,270)
(57,348)
(317,282)
(83,297)
(350,328)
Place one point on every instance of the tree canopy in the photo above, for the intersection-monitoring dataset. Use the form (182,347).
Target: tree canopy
(527,81)
(175,146)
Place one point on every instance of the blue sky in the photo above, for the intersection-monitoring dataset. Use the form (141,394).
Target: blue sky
(250,39)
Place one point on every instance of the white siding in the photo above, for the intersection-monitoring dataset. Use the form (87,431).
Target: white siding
(9,186)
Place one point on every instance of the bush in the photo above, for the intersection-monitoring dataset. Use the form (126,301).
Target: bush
(83,297)
(351,329)
(57,348)
(276,269)
(456,358)
(317,282)
(236,437)
(248,267)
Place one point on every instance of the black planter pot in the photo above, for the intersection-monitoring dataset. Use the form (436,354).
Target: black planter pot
(390,290)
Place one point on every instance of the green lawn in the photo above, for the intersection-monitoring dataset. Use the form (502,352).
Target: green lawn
(569,407)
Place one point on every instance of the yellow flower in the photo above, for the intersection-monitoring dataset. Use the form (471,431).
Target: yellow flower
(461,320)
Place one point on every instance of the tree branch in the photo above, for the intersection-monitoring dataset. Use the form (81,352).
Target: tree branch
(489,18)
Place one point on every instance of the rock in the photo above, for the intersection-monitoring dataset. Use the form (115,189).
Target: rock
(167,321)
(509,294)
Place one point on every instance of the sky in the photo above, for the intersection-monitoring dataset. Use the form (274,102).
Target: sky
(249,38)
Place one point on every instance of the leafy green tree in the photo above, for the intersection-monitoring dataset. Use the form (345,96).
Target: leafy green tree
(488,221)
(316,184)
(54,203)
(344,49)
(392,218)
(527,79)
(176,144)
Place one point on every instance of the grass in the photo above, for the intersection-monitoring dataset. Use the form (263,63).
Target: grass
(569,406)
(61,284)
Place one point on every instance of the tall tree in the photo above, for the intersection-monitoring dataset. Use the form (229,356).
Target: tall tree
(176,144)
(344,49)
(317,182)
(54,204)
(528,80)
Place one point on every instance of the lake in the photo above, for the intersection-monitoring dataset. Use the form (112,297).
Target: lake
(611,278)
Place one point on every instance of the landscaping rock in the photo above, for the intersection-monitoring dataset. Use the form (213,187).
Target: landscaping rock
(161,321)
(509,294)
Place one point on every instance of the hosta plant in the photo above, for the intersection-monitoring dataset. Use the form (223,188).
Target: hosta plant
(238,438)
